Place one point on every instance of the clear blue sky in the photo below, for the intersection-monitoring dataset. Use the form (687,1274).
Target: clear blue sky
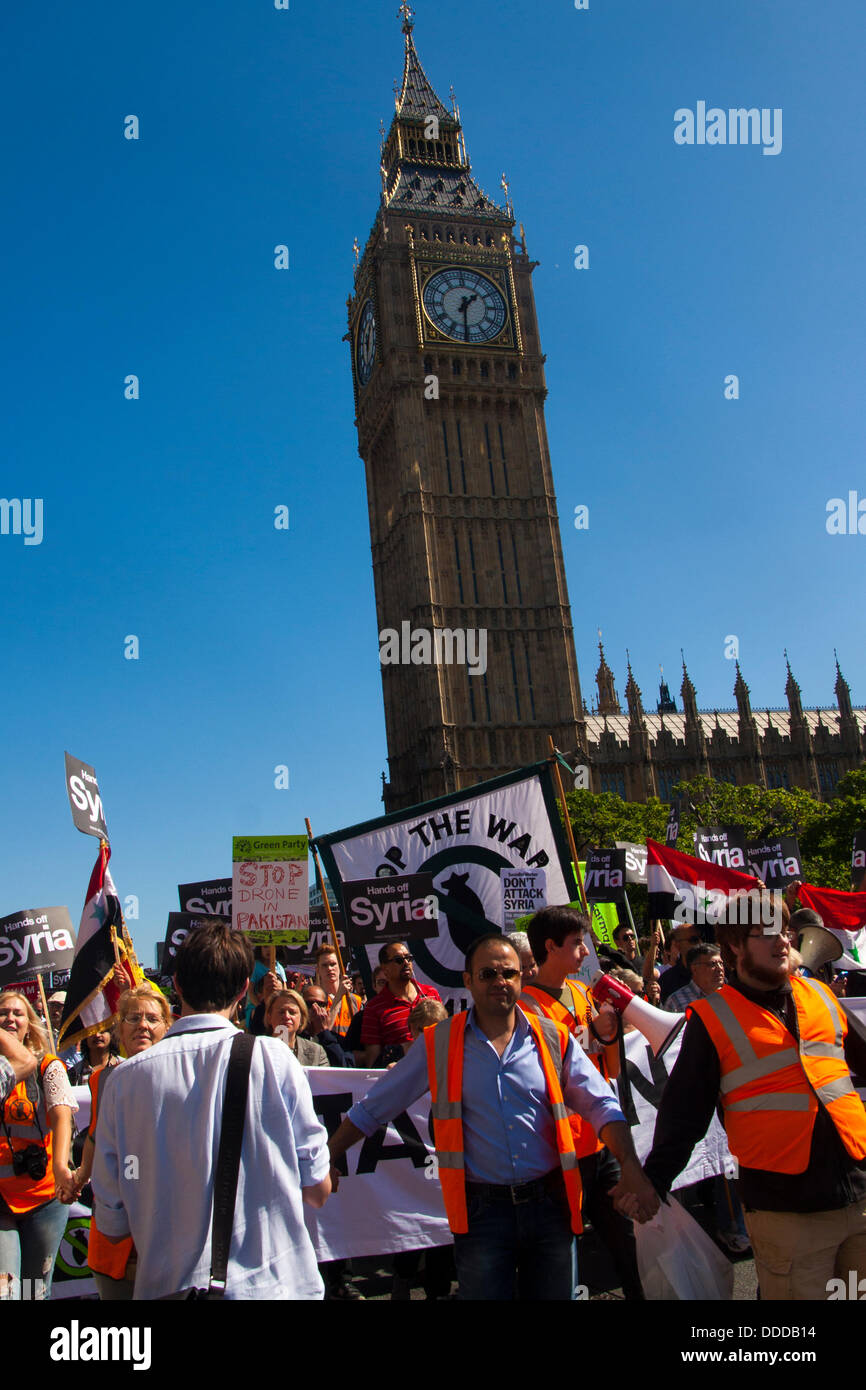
(155,257)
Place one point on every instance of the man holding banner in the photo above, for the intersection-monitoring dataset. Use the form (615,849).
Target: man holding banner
(499,1082)
(774,1046)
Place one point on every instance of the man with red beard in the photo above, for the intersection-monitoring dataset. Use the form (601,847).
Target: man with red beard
(774,1048)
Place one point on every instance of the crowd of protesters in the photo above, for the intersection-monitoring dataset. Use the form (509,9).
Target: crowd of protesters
(328,1019)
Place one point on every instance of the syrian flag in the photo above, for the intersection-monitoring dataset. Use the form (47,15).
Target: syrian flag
(104,964)
(844,914)
(697,890)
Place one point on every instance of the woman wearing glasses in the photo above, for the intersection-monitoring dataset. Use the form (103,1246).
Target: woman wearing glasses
(143,1018)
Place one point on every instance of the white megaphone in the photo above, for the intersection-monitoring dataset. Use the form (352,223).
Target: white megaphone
(657,1025)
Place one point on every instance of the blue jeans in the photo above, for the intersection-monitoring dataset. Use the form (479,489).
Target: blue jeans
(525,1250)
(28,1248)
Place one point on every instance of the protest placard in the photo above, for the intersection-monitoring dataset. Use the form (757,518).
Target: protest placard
(524,891)
(85,802)
(35,940)
(635,861)
(775,862)
(213,895)
(270,892)
(396,907)
(724,845)
(604,880)
(179,926)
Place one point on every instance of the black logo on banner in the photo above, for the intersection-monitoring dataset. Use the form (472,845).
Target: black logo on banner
(84,799)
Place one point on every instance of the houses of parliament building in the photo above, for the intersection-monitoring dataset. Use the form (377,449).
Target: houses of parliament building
(449,387)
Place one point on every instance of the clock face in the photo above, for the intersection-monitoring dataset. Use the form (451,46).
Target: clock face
(365,343)
(464,305)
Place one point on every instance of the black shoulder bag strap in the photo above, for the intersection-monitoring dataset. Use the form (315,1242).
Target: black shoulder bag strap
(229,1160)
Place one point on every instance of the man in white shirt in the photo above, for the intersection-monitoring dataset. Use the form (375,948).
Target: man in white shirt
(158,1137)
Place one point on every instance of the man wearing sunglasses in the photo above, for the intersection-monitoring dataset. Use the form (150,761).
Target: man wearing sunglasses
(385,1025)
(776,1048)
(500,1081)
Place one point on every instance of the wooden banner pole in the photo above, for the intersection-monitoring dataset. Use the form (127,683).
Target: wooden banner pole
(45,1011)
(330,916)
(554,762)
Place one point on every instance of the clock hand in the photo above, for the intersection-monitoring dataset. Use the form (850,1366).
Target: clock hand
(464,309)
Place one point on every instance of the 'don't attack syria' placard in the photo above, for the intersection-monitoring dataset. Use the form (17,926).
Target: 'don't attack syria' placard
(270,889)
(523,891)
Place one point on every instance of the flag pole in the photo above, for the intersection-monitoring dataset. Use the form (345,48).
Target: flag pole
(321,882)
(554,762)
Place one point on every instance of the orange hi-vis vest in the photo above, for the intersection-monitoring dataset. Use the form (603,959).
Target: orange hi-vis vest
(444,1043)
(349,1006)
(771,1084)
(104,1256)
(536,999)
(23,1194)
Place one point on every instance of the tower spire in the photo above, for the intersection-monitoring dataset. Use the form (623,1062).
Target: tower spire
(608,700)
(792,691)
(843,693)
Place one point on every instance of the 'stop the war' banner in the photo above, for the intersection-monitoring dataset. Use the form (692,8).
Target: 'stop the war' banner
(466,841)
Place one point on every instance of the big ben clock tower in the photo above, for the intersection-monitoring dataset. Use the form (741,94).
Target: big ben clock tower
(449,394)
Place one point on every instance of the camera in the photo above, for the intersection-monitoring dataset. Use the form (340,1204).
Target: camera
(33,1161)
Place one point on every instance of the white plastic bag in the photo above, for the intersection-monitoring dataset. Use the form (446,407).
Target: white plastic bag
(677,1260)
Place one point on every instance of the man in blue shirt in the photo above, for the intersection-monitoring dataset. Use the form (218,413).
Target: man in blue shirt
(519,1224)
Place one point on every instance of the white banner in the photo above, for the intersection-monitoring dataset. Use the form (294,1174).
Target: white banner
(465,843)
(711,1156)
(390,1199)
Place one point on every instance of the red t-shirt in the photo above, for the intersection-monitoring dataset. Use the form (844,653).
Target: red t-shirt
(385,1019)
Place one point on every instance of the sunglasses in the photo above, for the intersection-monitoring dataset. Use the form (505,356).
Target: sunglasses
(492,972)
(393,960)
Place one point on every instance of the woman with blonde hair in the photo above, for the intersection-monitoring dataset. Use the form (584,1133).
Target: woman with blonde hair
(285,1015)
(35,1136)
(143,1018)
